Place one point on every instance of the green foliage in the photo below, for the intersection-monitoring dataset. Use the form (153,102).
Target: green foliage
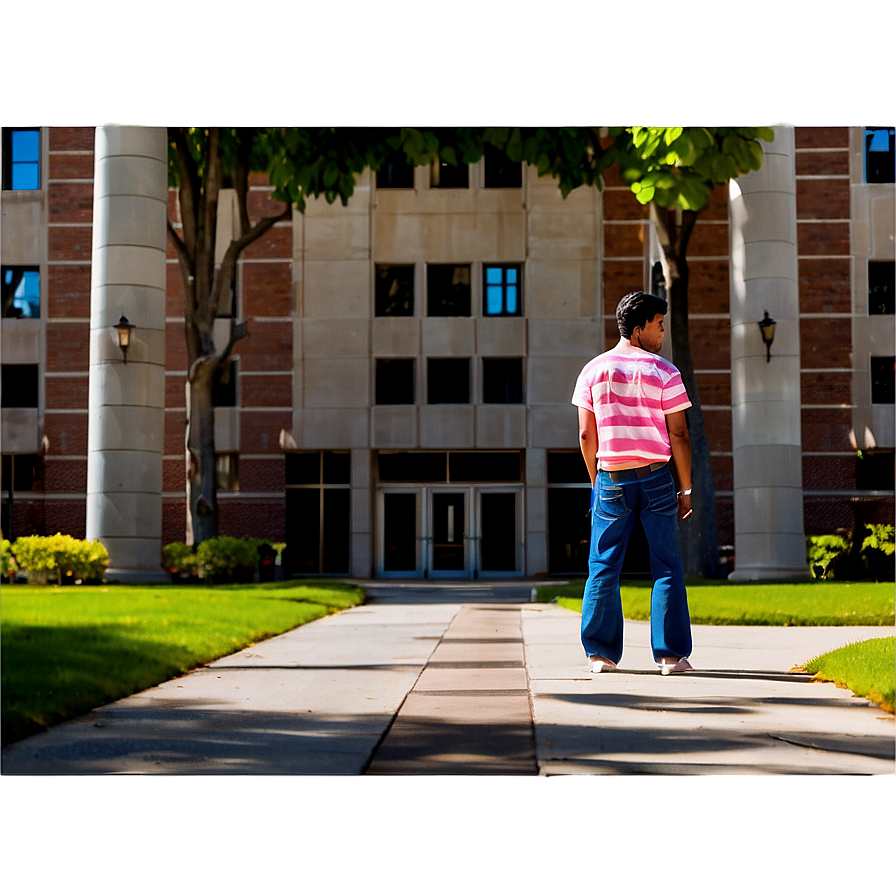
(678,167)
(881,539)
(756,603)
(61,658)
(823,550)
(60,557)
(227,559)
(180,560)
(867,668)
(8,565)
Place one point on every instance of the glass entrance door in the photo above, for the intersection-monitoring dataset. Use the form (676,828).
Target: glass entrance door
(449,531)
(449,551)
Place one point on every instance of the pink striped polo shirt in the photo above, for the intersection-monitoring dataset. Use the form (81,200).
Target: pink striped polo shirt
(630,393)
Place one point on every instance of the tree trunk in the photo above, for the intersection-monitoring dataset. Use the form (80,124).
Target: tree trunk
(698,537)
(202,499)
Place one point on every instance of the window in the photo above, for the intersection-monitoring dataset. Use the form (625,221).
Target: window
(396,173)
(503,289)
(874,470)
(394,381)
(224,390)
(451,466)
(19,385)
(881,281)
(318,512)
(227,474)
(448,381)
(21,291)
(394,291)
(502,380)
(443,176)
(500,172)
(21,158)
(879,155)
(882,376)
(448,290)
(19,472)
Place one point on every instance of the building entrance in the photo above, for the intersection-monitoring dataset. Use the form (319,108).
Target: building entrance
(450,531)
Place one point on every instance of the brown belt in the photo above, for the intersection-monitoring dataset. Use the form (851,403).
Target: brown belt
(635,473)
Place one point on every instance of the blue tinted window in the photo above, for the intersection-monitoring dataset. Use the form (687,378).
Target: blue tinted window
(503,293)
(21,159)
(879,155)
(21,292)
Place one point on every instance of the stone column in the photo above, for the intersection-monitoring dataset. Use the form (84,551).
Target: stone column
(769,535)
(127,399)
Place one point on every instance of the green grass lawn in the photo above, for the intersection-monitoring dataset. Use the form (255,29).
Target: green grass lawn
(866,668)
(745,603)
(66,650)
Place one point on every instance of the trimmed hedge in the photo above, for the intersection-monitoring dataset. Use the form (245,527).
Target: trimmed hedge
(216,560)
(59,558)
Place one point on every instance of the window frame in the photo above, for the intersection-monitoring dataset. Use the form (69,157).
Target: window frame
(883,174)
(883,389)
(467,302)
(881,287)
(381,298)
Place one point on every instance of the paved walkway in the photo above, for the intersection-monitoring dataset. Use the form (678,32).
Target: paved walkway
(472,678)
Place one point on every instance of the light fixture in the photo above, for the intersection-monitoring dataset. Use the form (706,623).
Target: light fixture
(123,328)
(767,328)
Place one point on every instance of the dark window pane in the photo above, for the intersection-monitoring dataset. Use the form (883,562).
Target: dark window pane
(881,279)
(399,532)
(396,173)
(882,377)
(21,291)
(18,469)
(449,177)
(879,155)
(337,530)
(413,466)
(500,172)
(502,380)
(394,381)
(485,466)
(302,468)
(337,468)
(19,385)
(394,290)
(448,290)
(224,389)
(874,470)
(448,381)
(567,467)
(303,530)
(499,527)
(502,288)
(569,529)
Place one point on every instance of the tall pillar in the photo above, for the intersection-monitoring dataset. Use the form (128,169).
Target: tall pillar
(769,535)
(127,395)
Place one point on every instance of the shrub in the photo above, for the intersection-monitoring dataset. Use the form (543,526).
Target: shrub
(823,551)
(228,559)
(60,557)
(180,560)
(8,565)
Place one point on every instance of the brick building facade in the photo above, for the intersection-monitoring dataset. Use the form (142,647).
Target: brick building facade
(333,434)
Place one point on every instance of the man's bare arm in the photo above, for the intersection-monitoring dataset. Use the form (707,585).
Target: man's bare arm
(588,441)
(680,442)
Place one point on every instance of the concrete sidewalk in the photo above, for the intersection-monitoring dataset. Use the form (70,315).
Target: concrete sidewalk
(471,678)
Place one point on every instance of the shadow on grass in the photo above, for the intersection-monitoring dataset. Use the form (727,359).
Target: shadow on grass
(54,673)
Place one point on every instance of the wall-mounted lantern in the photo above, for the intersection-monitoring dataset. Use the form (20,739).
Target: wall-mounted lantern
(123,329)
(767,328)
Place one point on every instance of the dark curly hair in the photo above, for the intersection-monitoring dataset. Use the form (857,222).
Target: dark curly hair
(636,309)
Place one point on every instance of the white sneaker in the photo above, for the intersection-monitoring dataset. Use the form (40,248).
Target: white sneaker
(668,664)
(599,664)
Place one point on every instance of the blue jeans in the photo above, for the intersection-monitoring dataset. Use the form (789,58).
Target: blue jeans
(614,509)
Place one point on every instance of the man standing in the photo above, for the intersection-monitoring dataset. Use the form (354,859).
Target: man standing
(631,423)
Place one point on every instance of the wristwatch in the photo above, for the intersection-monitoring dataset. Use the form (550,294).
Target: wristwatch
(686,491)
